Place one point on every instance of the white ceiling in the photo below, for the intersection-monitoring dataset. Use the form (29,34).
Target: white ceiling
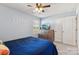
(55,8)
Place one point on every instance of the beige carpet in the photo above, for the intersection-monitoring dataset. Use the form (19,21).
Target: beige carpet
(64,49)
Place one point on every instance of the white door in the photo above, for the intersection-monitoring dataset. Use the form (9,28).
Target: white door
(69,30)
(58,31)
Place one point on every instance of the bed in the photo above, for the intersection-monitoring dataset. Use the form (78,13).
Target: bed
(31,46)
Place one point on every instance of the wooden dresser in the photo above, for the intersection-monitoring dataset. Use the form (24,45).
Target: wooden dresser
(49,35)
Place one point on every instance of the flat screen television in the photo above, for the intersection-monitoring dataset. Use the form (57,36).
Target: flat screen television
(45,26)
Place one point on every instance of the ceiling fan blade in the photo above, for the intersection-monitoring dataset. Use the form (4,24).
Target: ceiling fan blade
(29,5)
(46,6)
(37,5)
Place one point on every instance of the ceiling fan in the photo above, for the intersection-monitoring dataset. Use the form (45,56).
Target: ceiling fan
(39,7)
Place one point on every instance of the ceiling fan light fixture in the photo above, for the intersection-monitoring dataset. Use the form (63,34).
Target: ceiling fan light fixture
(36,9)
(39,9)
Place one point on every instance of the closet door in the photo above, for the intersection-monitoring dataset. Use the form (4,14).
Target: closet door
(69,30)
(58,31)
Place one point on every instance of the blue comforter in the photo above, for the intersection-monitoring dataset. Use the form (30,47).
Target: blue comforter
(31,46)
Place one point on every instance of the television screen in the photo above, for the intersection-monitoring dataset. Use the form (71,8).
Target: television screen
(45,26)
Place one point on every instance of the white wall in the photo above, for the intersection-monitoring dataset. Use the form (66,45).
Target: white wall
(14,24)
(55,19)
(77,12)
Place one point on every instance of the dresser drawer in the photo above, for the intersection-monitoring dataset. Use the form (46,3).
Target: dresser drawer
(49,35)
